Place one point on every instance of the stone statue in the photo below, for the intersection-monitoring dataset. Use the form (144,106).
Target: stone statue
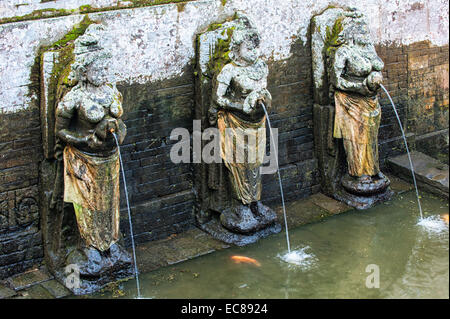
(85,119)
(239,91)
(354,77)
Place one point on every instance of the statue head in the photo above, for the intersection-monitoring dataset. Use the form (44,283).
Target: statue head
(91,57)
(355,29)
(245,40)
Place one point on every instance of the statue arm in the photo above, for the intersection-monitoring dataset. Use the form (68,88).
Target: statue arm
(219,98)
(221,85)
(113,122)
(265,96)
(64,113)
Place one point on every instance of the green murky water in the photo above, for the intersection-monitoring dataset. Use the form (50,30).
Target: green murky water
(412,262)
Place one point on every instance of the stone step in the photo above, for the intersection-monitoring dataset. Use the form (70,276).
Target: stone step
(28,279)
(431,175)
(6,292)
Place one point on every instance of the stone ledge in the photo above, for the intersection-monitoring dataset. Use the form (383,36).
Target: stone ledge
(6,292)
(431,175)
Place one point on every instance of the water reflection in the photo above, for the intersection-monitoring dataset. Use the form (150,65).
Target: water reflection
(413,263)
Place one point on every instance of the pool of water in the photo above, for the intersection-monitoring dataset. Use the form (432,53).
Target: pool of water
(340,258)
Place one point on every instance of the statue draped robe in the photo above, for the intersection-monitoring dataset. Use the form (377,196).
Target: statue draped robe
(91,183)
(245,175)
(357,121)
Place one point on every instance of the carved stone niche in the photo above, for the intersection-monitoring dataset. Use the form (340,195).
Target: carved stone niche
(60,231)
(212,182)
(336,182)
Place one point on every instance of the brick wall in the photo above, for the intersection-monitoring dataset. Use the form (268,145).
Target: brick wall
(20,153)
(160,192)
(417,78)
(290,83)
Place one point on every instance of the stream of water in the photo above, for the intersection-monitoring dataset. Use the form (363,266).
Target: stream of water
(136,272)
(407,150)
(296,256)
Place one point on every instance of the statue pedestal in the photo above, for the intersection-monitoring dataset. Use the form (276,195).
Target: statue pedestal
(363,201)
(215,229)
(90,270)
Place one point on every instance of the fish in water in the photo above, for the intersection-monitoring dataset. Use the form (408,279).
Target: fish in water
(245,260)
(445,218)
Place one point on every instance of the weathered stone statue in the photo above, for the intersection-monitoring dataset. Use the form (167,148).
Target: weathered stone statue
(85,118)
(352,69)
(238,81)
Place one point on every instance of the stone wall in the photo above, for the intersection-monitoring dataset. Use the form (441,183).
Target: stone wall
(153,58)
(417,78)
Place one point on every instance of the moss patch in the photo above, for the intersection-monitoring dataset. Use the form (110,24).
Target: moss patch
(65,46)
(332,41)
(220,57)
(74,33)
(51,13)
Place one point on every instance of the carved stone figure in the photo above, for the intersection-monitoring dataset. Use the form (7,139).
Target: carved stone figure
(353,74)
(238,80)
(88,176)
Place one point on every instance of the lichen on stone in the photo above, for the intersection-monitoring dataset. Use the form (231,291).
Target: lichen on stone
(52,12)
(332,37)
(220,57)
(65,46)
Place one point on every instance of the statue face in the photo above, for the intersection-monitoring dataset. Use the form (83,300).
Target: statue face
(98,73)
(249,51)
(362,36)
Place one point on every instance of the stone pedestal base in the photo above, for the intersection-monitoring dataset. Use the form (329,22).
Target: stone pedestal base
(363,201)
(216,230)
(89,270)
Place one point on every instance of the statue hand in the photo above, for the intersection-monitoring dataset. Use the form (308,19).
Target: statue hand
(93,141)
(104,128)
(365,90)
(374,80)
(265,98)
(250,102)
(121,130)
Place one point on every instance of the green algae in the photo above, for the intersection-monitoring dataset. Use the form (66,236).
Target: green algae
(221,57)
(332,39)
(52,13)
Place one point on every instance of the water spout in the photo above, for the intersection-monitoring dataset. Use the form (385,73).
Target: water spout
(279,178)
(136,272)
(407,150)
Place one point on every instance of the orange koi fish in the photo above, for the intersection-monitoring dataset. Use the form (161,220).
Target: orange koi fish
(445,217)
(245,260)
